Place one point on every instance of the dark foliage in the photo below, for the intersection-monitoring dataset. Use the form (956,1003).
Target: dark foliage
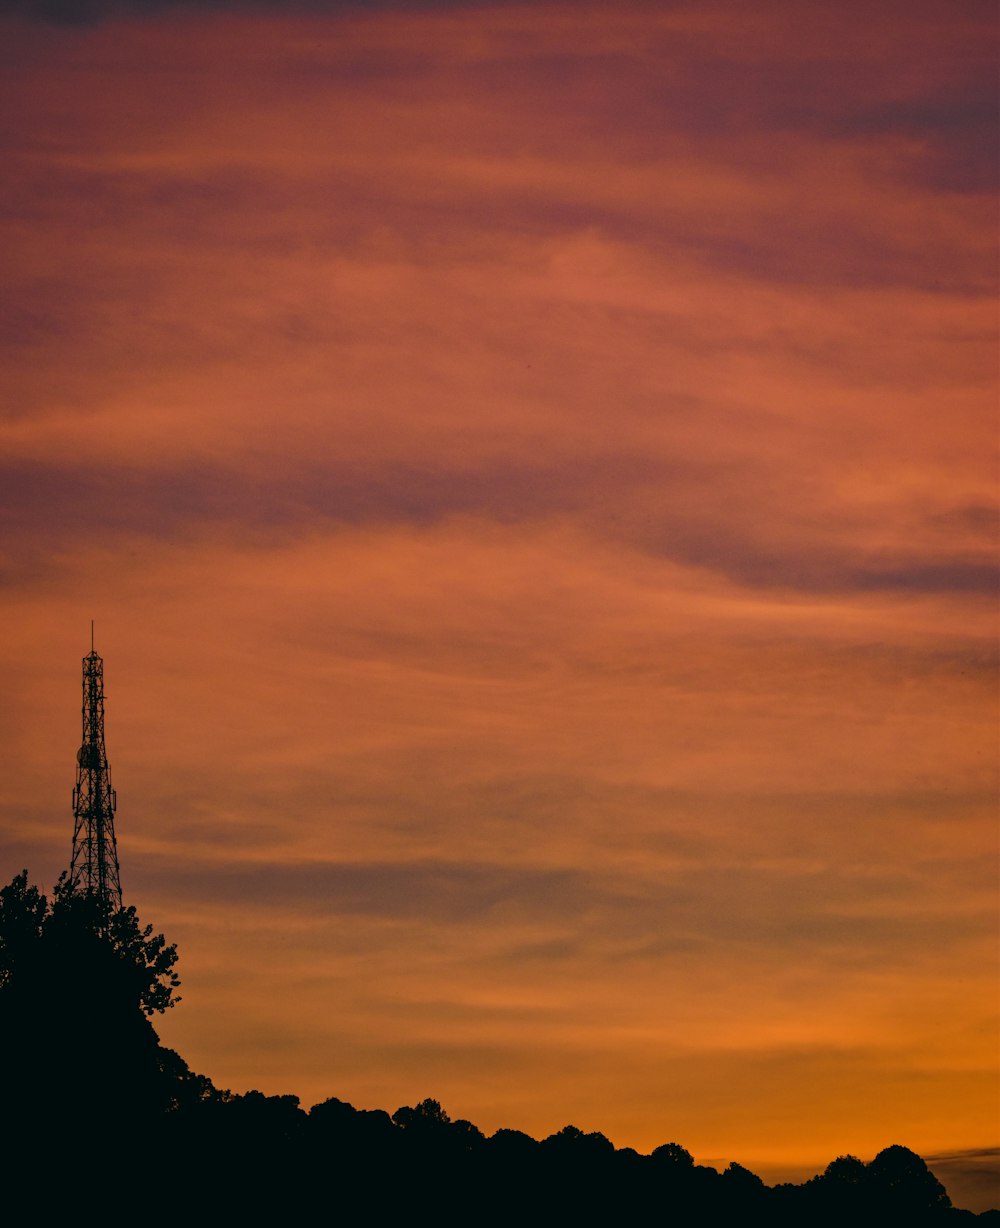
(92,1101)
(77,985)
(78,950)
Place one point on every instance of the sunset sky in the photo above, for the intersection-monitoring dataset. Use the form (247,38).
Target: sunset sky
(533,470)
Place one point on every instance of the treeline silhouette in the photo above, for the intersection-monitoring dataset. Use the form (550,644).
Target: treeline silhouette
(99,1115)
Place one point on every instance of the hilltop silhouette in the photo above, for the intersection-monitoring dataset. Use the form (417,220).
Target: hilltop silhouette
(100,1115)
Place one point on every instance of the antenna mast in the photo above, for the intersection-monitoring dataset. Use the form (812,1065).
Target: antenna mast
(94,867)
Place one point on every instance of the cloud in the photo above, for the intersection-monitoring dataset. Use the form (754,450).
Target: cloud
(685,910)
(88,12)
(972,1177)
(532,468)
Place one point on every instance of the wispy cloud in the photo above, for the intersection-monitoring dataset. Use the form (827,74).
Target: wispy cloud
(533,471)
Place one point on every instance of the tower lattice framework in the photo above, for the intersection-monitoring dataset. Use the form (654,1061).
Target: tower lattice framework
(94,867)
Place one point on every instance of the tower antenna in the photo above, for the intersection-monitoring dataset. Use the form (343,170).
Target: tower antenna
(94,865)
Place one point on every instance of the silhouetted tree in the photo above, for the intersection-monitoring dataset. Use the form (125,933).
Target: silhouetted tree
(513,1144)
(742,1193)
(77,946)
(23,910)
(573,1145)
(427,1119)
(901,1184)
(187,1091)
(83,1071)
(77,985)
(841,1192)
(846,1171)
(336,1123)
(672,1157)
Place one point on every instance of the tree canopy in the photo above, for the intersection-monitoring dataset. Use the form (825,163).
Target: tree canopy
(77,987)
(74,945)
(80,1061)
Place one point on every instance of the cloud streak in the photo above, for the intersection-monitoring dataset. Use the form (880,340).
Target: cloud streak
(533,472)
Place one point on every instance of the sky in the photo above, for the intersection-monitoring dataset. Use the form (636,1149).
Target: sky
(533,471)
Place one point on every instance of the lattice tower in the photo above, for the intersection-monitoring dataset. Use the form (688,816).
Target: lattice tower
(94,867)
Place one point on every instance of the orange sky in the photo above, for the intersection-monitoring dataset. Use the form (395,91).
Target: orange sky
(533,470)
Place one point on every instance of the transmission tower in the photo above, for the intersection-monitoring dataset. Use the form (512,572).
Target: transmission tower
(94,868)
